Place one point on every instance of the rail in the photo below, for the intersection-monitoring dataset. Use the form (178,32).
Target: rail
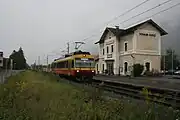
(168,97)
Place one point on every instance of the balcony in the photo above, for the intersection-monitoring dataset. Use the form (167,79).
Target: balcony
(109,55)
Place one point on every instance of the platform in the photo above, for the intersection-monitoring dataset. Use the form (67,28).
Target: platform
(166,82)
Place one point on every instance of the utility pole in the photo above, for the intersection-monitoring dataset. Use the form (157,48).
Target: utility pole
(165,64)
(68,47)
(133,65)
(47,59)
(78,44)
(39,62)
(35,65)
(47,63)
(7,65)
(172,63)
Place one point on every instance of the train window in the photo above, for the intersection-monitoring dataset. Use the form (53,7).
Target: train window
(72,64)
(58,65)
(66,64)
(61,64)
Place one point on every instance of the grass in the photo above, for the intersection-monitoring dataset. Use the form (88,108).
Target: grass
(38,96)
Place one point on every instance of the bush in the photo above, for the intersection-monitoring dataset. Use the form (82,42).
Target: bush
(153,73)
(138,69)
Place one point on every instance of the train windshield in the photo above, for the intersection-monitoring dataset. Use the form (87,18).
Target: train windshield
(84,63)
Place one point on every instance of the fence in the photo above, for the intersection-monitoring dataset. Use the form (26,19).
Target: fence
(4,74)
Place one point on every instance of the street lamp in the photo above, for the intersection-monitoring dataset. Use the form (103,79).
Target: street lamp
(172,62)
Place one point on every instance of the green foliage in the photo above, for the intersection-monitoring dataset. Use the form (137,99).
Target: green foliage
(137,69)
(19,61)
(37,96)
(153,73)
(168,60)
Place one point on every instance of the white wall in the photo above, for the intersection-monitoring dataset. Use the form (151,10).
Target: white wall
(145,43)
(143,47)
(129,40)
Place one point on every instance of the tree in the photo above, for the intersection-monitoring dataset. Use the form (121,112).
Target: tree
(19,61)
(169,55)
(137,69)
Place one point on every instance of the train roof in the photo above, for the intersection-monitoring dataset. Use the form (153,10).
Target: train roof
(73,54)
(77,53)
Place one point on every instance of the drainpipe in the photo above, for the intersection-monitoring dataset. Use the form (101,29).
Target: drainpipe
(133,65)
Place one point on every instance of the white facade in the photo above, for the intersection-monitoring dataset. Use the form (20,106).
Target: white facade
(142,45)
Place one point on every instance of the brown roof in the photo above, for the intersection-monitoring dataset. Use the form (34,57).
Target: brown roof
(121,32)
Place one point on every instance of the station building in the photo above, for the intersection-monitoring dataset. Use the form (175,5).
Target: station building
(119,48)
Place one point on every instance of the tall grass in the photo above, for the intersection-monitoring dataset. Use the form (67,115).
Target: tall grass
(38,96)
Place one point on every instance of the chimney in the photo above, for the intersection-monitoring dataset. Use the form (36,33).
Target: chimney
(117,27)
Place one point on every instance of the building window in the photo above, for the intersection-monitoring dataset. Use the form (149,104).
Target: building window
(125,46)
(103,67)
(97,68)
(107,49)
(103,51)
(147,66)
(125,67)
(112,47)
(1,54)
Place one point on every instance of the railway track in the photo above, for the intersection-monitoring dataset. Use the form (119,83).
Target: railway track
(166,97)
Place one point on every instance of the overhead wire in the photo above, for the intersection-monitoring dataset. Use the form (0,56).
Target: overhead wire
(124,13)
(139,15)
(157,13)
(115,18)
(157,6)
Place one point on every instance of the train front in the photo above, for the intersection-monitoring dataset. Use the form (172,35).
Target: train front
(84,67)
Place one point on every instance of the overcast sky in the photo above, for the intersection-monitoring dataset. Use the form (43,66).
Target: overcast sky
(44,27)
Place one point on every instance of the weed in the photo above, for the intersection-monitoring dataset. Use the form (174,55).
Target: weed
(38,96)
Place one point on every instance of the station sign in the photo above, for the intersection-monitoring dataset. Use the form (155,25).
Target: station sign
(110,42)
(148,34)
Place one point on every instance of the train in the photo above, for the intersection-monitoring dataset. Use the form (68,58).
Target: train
(78,65)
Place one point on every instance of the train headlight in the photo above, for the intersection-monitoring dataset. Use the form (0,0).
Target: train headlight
(92,70)
(77,71)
